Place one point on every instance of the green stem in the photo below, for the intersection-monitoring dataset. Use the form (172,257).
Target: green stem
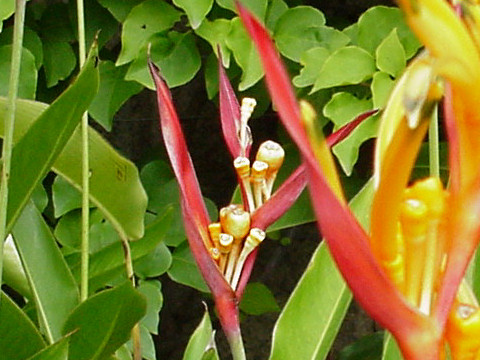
(236,346)
(433,144)
(127,253)
(10,120)
(85,165)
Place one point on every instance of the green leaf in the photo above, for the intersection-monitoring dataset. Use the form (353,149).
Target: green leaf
(147,347)
(195,10)
(215,32)
(177,57)
(390,348)
(59,61)
(119,8)
(112,94)
(308,334)
(19,338)
(36,151)
(65,197)
(56,351)
(258,300)
(103,323)
(28,73)
(382,85)
(54,290)
(258,7)
(108,263)
(155,263)
(312,61)
(152,291)
(144,20)
(302,28)
(377,22)
(276,8)
(112,174)
(366,348)
(202,339)
(31,41)
(13,272)
(390,55)
(184,270)
(245,55)
(347,65)
(342,108)
(100,25)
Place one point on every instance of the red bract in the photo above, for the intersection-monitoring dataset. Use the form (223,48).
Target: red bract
(227,285)
(378,267)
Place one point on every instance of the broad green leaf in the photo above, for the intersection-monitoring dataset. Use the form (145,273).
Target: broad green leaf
(13,272)
(65,197)
(215,32)
(390,55)
(179,61)
(56,351)
(119,8)
(59,61)
(184,270)
(258,300)
(258,7)
(352,32)
(144,20)
(28,73)
(108,263)
(55,24)
(103,322)
(112,174)
(100,25)
(366,348)
(112,93)
(312,316)
(377,22)
(312,61)
(19,338)
(54,290)
(202,339)
(31,41)
(195,10)
(276,8)
(151,289)
(245,55)
(390,348)
(347,65)
(34,154)
(342,108)
(302,28)
(155,263)
(147,345)
(382,85)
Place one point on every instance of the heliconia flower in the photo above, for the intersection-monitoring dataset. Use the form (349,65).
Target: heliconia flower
(406,272)
(225,250)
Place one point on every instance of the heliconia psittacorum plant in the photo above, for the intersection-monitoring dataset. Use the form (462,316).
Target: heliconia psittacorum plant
(407,273)
(225,250)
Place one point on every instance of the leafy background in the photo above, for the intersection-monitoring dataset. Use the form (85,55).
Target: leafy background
(342,56)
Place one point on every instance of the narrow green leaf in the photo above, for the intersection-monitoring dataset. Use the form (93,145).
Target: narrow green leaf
(13,272)
(19,338)
(258,300)
(347,65)
(195,10)
(28,73)
(112,174)
(301,334)
(390,348)
(202,339)
(103,323)
(54,290)
(390,55)
(34,154)
(245,55)
(144,20)
(57,351)
(112,94)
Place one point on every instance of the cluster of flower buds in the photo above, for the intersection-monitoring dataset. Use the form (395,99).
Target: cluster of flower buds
(233,240)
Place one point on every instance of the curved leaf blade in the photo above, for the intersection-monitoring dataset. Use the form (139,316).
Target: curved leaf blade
(301,334)
(54,290)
